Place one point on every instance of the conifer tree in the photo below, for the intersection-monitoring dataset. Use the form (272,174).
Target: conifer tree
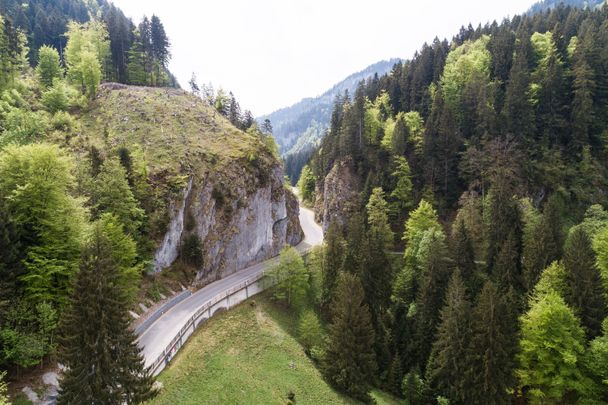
(585,293)
(464,256)
(104,364)
(350,362)
(492,348)
(429,300)
(333,255)
(160,41)
(448,368)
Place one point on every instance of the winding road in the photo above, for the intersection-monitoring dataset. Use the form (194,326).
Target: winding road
(157,336)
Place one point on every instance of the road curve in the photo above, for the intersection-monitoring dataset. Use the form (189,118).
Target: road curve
(157,337)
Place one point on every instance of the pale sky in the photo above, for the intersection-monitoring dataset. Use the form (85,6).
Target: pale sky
(272,53)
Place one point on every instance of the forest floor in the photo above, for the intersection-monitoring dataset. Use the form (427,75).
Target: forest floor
(248,355)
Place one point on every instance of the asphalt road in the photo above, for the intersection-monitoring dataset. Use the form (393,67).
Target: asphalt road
(156,338)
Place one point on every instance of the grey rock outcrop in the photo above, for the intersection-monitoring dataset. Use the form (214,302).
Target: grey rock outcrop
(339,198)
(241,218)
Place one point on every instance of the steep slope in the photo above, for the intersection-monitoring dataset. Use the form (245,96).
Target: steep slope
(207,179)
(300,126)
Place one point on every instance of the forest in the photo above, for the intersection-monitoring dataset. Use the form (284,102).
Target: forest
(483,160)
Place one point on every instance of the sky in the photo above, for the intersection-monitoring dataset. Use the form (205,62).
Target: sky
(272,53)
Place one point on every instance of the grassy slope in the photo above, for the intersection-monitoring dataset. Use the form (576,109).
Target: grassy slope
(174,129)
(244,356)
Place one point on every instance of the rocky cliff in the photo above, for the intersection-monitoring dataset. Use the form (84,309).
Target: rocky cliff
(337,196)
(239,221)
(205,177)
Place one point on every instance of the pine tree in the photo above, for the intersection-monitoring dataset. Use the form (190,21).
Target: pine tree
(394,377)
(136,67)
(585,292)
(350,361)
(98,347)
(160,41)
(492,348)
(448,368)
(333,255)
(429,300)
(464,256)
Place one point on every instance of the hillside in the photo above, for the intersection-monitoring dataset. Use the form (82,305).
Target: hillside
(248,354)
(547,5)
(299,127)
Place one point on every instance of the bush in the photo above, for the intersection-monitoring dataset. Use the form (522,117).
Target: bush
(22,126)
(60,97)
(309,331)
(192,251)
(63,121)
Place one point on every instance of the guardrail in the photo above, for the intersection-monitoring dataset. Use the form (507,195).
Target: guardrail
(161,311)
(198,318)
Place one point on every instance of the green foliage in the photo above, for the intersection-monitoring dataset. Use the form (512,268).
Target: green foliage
(414,388)
(3,390)
(600,245)
(469,61)
(13,49)
(449,366)
(86,54)
(59,97)
(192,250)
(402,194)
(306,185)
(333,257)
(124,253)
(111,194)
(27,333)
(421,220)
(291,278)
(310,332)
(491,351)
(35,180)
(585,293)
(596,361)
(551,352)
(350,360)
(48,68)
(22,126)
(377,217)
(552,279)
(98,346)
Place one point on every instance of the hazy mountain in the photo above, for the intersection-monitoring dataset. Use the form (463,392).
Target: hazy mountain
(311,115)
(545,5)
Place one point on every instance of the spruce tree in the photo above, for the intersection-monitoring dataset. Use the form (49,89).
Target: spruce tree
(492,348)
(464,256)
(448,368)
(333,255)
(104,364)
(585,292)
(350,362)
(429,300)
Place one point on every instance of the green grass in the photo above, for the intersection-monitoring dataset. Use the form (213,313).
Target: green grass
(248,355)
(244,356)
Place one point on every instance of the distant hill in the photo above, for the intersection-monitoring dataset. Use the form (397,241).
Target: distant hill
(298,128)
(545,5)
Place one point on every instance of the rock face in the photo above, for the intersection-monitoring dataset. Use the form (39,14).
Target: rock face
(339,198)
(240,217)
